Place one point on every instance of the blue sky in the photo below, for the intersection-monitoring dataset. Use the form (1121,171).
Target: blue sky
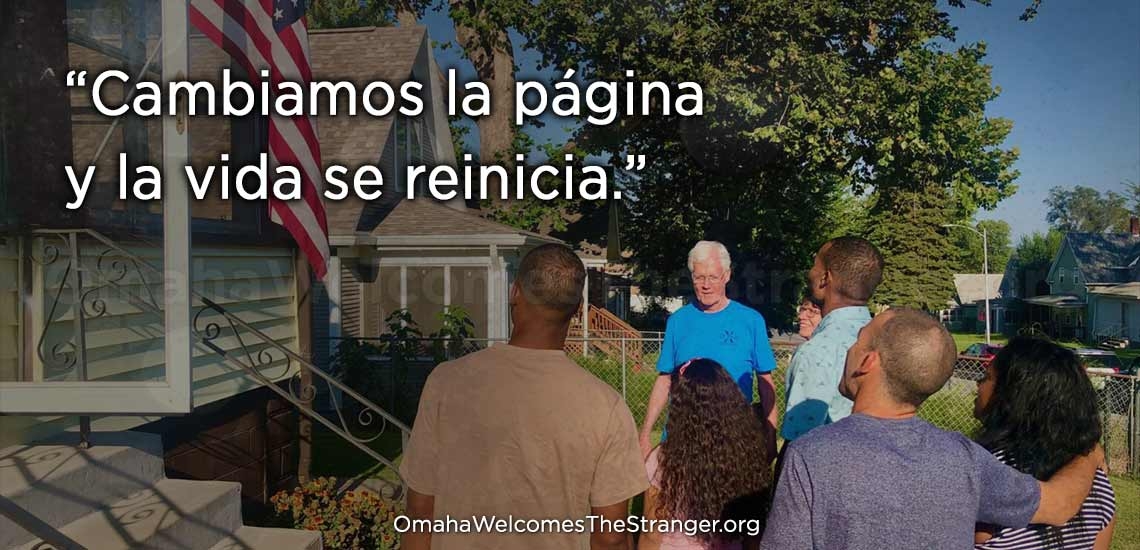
(1070,82)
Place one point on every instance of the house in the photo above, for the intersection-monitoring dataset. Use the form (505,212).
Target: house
(1020,282)
(1091,287)
(132,361)
(966,311)
(395,253)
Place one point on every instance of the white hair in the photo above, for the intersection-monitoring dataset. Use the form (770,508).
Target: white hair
(708,250)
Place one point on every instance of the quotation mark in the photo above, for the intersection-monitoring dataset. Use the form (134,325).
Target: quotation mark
(634,162)
(76,78)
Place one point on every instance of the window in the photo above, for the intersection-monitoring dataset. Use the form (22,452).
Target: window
(425,291)
(405,148)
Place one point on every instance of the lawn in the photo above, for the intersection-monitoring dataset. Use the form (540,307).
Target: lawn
(1127,535)
(964,340)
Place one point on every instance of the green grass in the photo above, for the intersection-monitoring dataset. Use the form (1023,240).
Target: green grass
(965,340)
(335,457)
(1127,534)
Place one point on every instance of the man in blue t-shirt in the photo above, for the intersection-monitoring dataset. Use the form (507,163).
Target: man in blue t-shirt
(884,478)
(714,327)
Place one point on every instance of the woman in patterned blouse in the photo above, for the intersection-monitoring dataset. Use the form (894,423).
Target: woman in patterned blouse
(1039,411)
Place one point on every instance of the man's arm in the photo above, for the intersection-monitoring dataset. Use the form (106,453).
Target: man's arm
(420,506)
(657,400)
(767,389)
(610,540)
(1063,494)
(790,520)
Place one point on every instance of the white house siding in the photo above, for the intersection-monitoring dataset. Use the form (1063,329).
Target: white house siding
(10,335)
(126,343)
(1106,314)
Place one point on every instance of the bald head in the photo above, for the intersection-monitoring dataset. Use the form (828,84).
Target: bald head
(916,353)
(551,277)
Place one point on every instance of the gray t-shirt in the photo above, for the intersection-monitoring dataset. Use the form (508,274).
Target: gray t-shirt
(867,482)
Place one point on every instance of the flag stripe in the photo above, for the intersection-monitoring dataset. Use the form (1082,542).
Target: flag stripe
(246,30)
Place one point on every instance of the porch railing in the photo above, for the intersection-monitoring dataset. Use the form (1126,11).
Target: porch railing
(85,278)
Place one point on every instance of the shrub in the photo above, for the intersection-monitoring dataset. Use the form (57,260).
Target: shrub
(349,520)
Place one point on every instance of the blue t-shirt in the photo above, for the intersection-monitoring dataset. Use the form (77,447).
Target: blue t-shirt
(867,482)
(813,397)
(736,337)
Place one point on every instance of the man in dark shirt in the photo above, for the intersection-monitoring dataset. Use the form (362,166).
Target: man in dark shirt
(883,478)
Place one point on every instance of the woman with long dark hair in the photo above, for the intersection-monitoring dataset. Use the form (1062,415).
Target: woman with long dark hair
(1039,411)
(714,465)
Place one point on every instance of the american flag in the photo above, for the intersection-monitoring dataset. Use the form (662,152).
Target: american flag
(271,34)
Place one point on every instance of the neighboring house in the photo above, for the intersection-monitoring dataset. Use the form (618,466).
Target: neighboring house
(1090,287)
(393,253)
(1020,282)
(966,311)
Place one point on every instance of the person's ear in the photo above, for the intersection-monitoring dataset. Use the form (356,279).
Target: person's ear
(871,362)
(515,294)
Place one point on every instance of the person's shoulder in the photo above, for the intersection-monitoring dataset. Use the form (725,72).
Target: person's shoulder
(684,312)
(823,439)
(746,312)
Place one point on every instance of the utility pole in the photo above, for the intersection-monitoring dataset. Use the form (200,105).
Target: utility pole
(985,268)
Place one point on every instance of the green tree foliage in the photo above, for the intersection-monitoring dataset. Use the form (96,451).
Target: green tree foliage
(970,246)
(1086,209)
(1038,249)
(339,14)
(803,102)
(918,250)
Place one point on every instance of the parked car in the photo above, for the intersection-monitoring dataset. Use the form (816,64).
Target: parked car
(984,351)
(972,361)
(1099,361)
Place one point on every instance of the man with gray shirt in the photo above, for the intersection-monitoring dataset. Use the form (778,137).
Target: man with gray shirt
(883,478)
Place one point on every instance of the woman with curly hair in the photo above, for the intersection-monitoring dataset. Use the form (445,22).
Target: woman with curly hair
(1039,411)
(713,466)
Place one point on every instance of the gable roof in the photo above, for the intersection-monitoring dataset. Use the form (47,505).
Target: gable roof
(971,287)
(360,55)
(1105,258)
(389,54)
(426,217)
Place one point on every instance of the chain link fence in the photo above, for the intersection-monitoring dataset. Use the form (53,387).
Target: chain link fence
(629,366)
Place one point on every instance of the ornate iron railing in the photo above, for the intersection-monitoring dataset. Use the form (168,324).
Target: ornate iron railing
(113,267)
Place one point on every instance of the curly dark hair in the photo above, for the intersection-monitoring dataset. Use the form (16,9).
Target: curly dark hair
(1043,412)
(714,464)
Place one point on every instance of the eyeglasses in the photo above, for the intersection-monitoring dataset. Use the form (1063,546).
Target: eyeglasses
(701,279)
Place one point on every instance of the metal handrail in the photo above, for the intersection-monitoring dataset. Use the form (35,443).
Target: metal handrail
(300,396)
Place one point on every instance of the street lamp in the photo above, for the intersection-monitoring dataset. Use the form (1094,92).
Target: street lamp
(985,268)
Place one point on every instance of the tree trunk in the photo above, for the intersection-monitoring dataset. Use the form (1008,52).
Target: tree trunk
(405,15)
(494,61)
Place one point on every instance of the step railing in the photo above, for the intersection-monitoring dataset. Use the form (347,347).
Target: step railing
(255,353)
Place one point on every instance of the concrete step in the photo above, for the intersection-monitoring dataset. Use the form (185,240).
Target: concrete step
(261,538)
(54,485)
(174,514)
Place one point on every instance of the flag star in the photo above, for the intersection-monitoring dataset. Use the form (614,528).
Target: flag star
(278,14)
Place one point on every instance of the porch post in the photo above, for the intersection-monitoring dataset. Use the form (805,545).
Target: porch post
(332,288)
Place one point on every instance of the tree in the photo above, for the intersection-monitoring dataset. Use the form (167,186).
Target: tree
(1087,210)
(481,29)
(918,251)
(1038,249)
(338,14)
(970,245)
(803,102)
